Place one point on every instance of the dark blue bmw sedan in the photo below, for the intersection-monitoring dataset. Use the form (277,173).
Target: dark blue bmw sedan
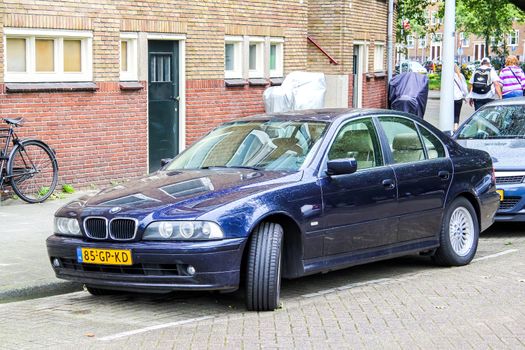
(281,196)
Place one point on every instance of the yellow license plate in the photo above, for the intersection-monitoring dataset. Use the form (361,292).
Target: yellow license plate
(500,192)
(104,256)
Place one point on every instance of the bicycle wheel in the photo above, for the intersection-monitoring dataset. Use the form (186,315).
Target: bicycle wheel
(32,171)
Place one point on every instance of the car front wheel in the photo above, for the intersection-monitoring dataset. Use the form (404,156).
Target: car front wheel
(263,280)
(459,234)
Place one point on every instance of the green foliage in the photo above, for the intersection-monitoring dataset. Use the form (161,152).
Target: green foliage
(68,188)
(491,20)
(43,191)
(434,81)
(415,11)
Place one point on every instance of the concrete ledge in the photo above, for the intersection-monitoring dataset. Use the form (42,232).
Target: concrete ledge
(49,87)
(130,85)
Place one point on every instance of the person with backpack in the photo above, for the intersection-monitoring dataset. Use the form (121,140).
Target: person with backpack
(512,78)
(485,85)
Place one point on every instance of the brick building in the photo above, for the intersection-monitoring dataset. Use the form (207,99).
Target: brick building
(114,86)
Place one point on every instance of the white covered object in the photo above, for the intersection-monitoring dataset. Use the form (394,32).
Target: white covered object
(299,90)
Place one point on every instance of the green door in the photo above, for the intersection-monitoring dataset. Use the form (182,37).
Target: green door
(163,97)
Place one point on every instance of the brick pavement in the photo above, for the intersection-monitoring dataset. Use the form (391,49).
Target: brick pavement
(403,303)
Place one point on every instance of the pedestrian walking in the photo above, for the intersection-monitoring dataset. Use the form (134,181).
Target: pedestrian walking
(485,85)
(460,94)
(512,78)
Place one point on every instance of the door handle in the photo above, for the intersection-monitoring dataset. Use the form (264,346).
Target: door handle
(444,174)
(388,184)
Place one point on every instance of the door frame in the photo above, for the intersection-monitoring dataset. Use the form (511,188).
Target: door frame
(357,98)
(181,38)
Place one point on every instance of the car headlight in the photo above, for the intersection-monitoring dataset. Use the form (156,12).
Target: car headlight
(183,230)
(67,226)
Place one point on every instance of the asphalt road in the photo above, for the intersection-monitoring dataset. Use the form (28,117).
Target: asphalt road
(401,303)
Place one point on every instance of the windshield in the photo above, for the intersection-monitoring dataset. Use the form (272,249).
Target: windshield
(498,122)
(267,145)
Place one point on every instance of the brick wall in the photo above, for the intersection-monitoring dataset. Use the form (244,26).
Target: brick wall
(98,136)
(210,103)
(374,92)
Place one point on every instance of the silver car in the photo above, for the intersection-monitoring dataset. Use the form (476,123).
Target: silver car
(499,129)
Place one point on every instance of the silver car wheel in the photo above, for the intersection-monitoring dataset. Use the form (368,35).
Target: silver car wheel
(461,231)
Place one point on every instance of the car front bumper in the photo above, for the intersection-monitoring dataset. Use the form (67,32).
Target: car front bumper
(512,208)
(157,266)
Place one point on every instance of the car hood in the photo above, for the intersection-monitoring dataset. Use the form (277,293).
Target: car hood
(187,193)
(506,154)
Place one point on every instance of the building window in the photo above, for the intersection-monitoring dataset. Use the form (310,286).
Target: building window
(437,37)
(422,42)
(253,57)
(410,41)
(464,41)
(256,57)
(233,57)
(128,56)
(276,57)
(514,38)
(41,55)
(379,57)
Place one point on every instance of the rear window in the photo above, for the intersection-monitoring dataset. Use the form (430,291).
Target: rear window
(497,122)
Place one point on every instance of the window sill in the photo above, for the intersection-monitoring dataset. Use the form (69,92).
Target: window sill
(235,82)
(276,81)
(50,87)
(130,86)
(258,82)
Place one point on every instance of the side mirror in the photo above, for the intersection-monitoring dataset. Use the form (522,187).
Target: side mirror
(341,166)
(449,133)
(165,161)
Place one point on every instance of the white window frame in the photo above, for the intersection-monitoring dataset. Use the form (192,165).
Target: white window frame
(410,42)
(465,42)
(423,42)
(258,72)
(31,75)
(278,72)
(516,36)
(237,70)
(132,54)
(379,57)
(437,38)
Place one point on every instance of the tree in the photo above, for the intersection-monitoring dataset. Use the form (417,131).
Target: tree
(491,20)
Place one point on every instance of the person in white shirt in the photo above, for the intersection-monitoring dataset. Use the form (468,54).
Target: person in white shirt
(460,93)
(485,85)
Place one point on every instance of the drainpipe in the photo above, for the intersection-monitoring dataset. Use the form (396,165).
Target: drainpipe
(390,44)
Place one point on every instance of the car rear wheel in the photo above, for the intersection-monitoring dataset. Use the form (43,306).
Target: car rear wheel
(263,280)
(459,234)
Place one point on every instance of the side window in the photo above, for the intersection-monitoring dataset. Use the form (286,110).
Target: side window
(403,139)
(434,147)
(358,139)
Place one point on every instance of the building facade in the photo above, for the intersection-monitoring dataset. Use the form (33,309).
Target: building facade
(115,86)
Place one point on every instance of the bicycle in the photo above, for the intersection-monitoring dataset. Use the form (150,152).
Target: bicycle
(30,168)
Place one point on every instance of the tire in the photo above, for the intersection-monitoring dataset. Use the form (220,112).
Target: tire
(99,291)
(459,235)
(32,171)
(263,272)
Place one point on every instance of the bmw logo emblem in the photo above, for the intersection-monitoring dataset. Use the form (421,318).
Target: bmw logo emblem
(115,210)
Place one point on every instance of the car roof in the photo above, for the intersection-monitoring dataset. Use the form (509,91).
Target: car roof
(325,115)
(507,102)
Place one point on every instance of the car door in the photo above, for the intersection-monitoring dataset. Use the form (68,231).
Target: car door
(358,207)
(423,173)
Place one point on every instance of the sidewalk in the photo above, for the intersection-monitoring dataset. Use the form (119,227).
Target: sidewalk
(432,111)
(25,271)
